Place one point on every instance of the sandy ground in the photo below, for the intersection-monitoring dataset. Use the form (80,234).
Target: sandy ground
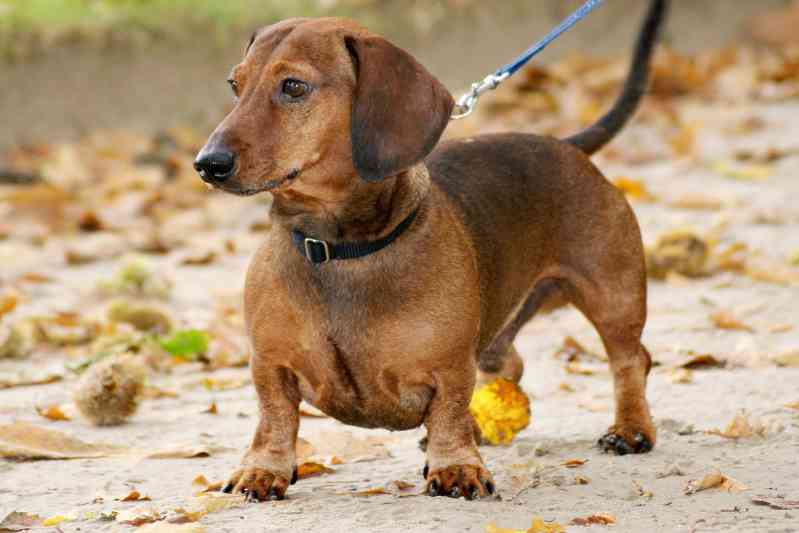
(644,493)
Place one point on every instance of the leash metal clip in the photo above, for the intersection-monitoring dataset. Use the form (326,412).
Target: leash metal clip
(467,102)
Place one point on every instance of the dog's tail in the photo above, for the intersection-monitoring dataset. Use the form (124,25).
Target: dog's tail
(598,135)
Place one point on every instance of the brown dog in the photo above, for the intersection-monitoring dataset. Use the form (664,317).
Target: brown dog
(394,270)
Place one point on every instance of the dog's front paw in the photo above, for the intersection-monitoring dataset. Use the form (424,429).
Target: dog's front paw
(468,481)
(258,484)
(623,443)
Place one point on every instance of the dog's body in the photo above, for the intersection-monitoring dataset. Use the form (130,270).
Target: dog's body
(394,339)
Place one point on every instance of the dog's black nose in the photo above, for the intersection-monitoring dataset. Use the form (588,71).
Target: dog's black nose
(215,166)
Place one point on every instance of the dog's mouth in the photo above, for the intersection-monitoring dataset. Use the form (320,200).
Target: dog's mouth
(269,185)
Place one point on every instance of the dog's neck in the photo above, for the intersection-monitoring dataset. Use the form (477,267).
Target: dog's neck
(369,212)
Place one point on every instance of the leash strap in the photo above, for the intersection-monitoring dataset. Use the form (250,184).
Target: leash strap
(468,101)
(318,252)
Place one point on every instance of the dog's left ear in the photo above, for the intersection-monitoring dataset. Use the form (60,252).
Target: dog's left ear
(399,109)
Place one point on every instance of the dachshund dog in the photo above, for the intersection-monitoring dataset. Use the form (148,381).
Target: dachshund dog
(397,267)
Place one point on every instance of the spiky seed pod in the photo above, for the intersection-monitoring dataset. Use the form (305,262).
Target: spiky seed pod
(108,393)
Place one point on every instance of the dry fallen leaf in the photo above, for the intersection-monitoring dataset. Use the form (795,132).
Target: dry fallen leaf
(634,189)
(776,502)
(680,376)
(723,319)
(52,412)
(578,369)
(135,496)
(212,409)
(139,516)
(794,405)
(742,172)
(714,480)
(790,358)
(8,302)
(641,491)
(741,427)
(377,491)
(403,485)
(306,470)
(599,519)
(572,351)
(349,448)
(574,463)
(23,441)
(695,361)
(24,379)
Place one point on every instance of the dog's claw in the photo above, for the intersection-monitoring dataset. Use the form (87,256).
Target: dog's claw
(257,485)
(613,442)
(470,482)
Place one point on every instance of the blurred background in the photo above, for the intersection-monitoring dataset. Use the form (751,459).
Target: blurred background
(71,66)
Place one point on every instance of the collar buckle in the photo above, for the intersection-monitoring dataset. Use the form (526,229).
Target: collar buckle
(316,251)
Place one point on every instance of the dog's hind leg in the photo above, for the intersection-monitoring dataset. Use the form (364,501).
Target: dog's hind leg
(500,358)
(616,307)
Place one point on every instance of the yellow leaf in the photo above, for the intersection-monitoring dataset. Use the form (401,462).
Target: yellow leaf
(52,412)
(492,528)
(742,172)
(7,303)
(539,526)
(725,320)
(212,409)
(633,189)
(369,492)
(680,376)
(306,470)
(714,480)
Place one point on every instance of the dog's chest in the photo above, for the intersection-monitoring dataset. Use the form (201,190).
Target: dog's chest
(369,384)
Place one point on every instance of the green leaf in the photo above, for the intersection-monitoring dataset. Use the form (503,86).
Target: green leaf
(186,344)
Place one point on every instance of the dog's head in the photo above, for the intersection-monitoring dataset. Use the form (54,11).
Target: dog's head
(320,104)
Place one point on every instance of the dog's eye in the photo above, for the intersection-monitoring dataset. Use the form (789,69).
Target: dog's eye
(234,86)
(295,88)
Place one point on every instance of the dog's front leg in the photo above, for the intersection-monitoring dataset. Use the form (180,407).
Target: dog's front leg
(454,466)
(269,466)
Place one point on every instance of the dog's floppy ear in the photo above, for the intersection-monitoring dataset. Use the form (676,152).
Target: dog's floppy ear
(399,110)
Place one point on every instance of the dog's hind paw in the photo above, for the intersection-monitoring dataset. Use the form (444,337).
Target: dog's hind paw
(468,481)
(613,442)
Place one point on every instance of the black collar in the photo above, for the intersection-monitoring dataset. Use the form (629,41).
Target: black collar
(318,252)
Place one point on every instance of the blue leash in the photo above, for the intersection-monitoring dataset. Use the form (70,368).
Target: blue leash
(468,101)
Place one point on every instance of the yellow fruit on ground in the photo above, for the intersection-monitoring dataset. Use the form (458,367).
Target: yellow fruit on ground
(501,410)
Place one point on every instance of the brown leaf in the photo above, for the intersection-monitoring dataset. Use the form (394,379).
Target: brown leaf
(212,409)
(134,496)
(714,480)
(696,361)
(34,277)
(572,351)
(306,470)
(599,519)
(52,412)
(577,369)
(776,502)
(199,259)
(369,492)
(741,427)
(8,381)
(574,463)
(8,302)
(725,320)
